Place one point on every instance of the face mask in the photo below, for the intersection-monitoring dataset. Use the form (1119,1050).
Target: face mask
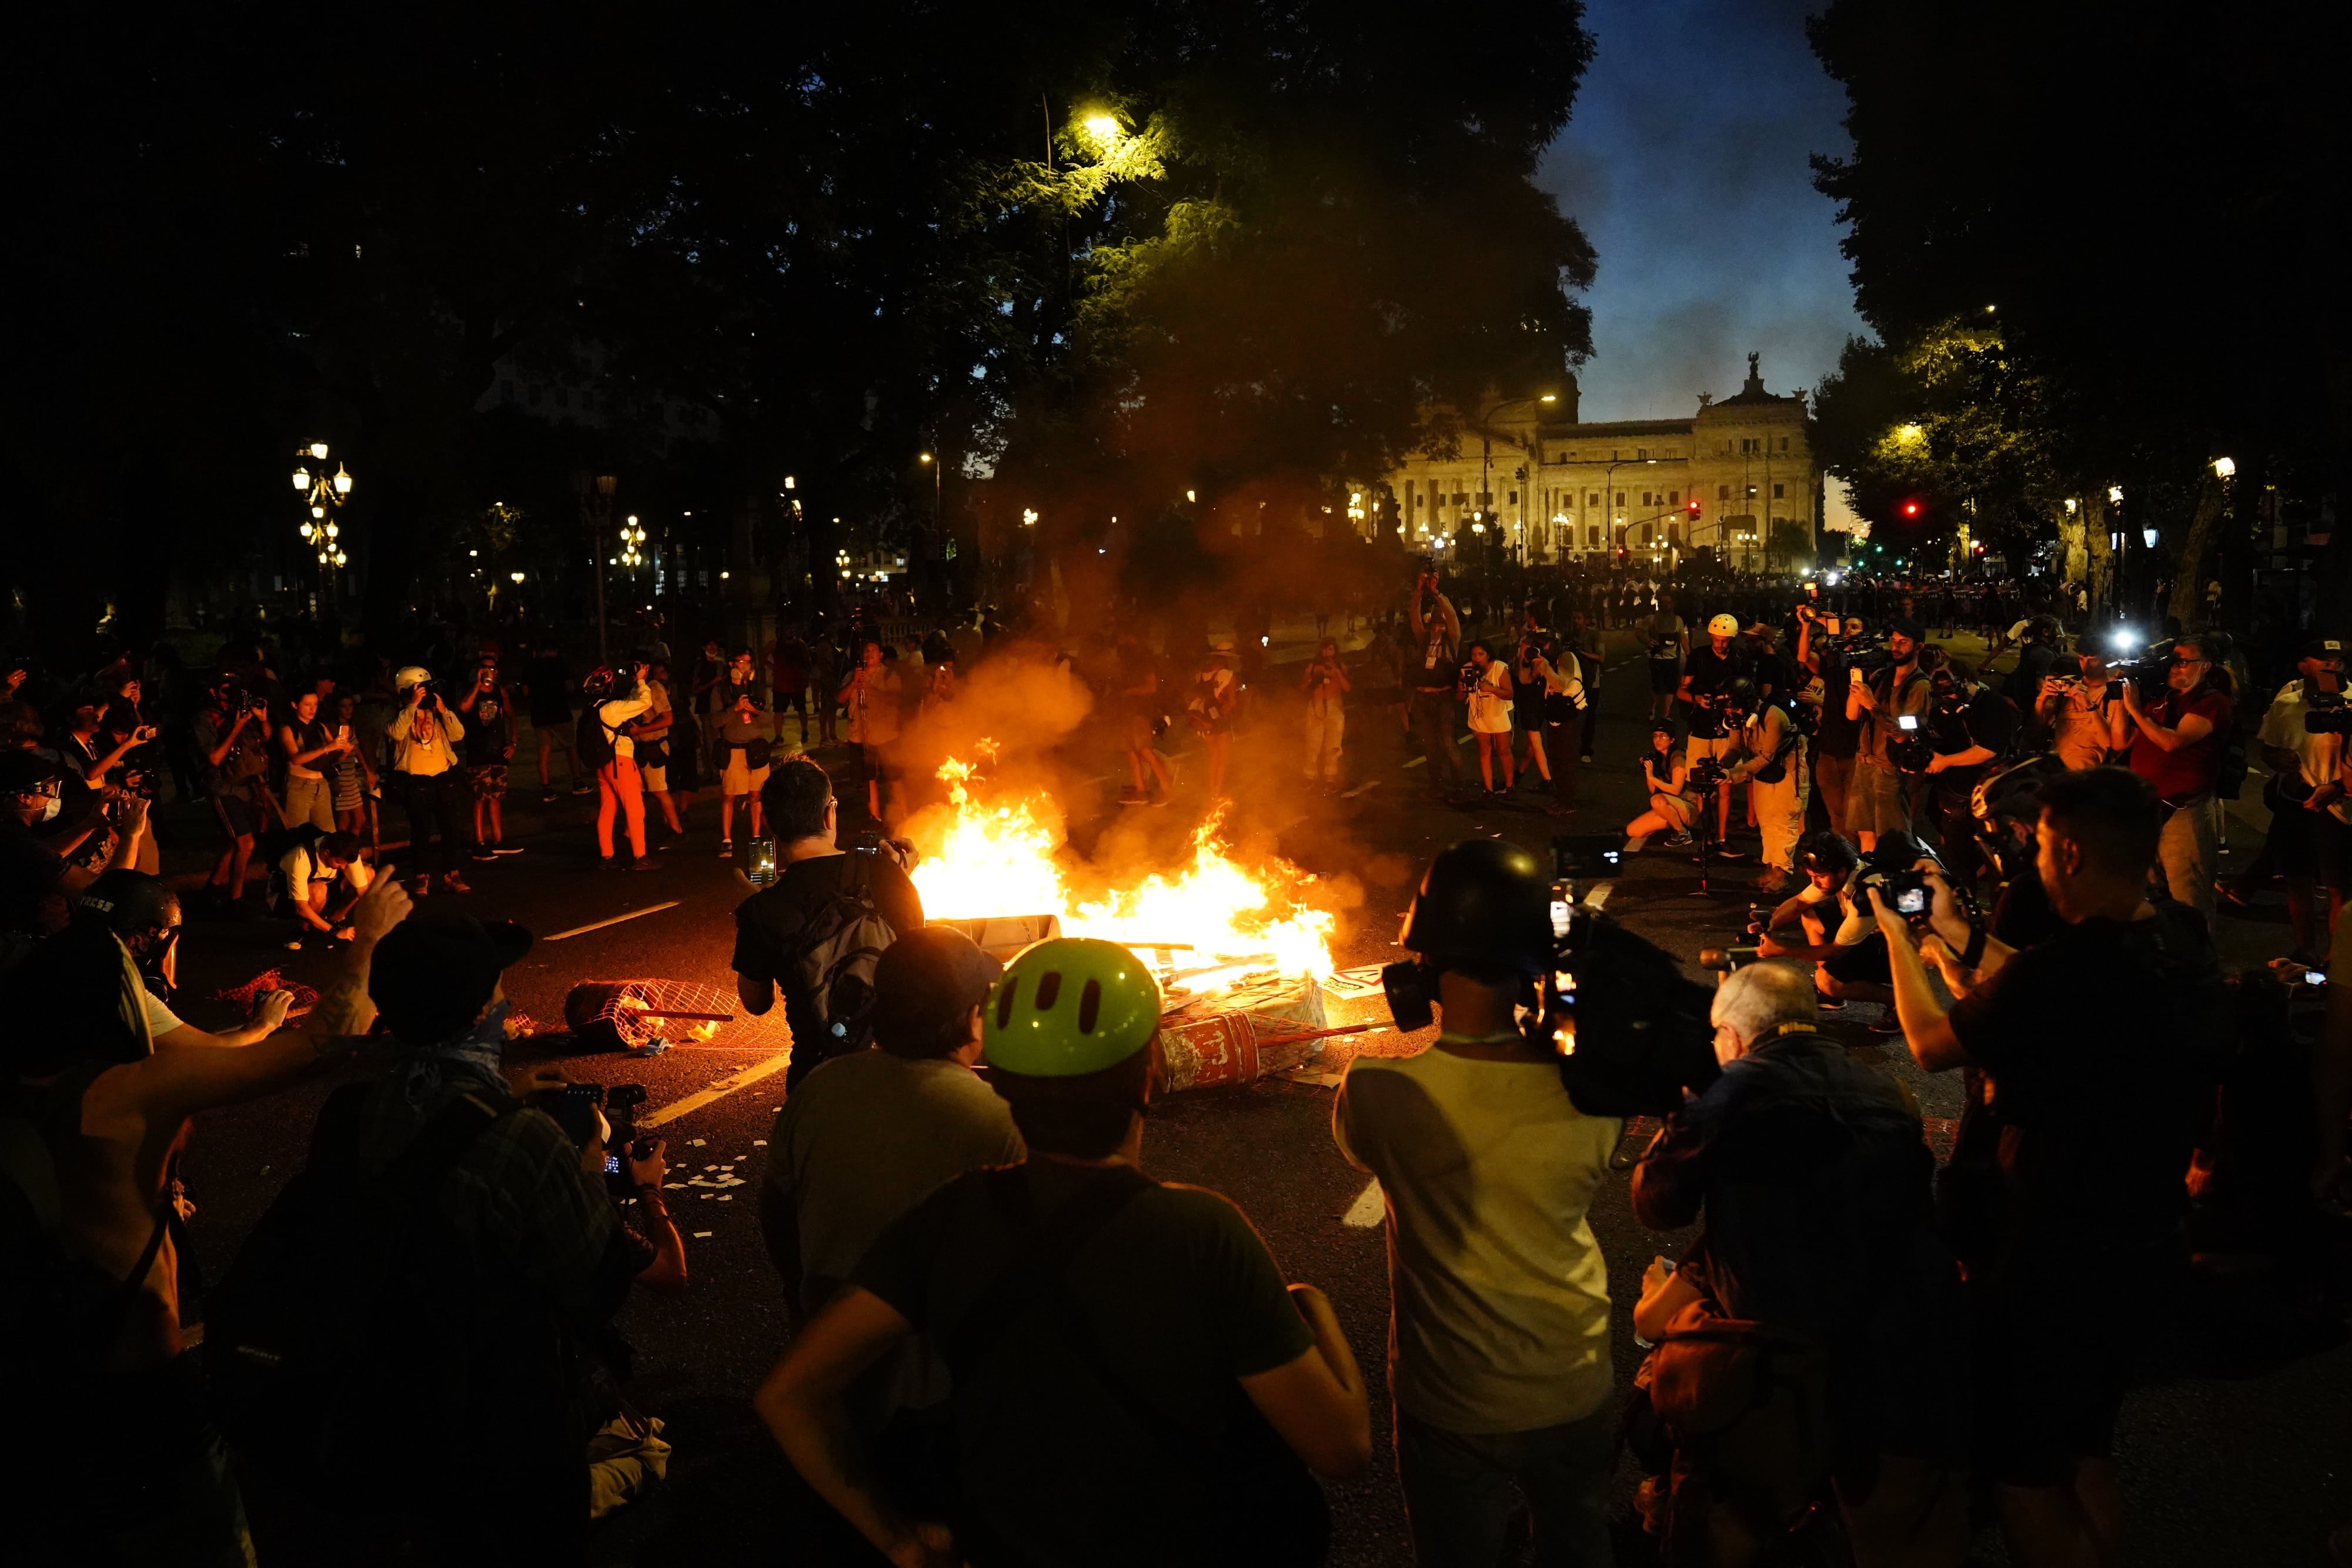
(50,806)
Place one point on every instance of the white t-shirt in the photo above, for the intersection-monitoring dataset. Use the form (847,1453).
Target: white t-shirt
(161,1019)
(1499,1293)
(2319,755)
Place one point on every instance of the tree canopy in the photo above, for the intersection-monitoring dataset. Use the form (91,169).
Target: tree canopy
(1107,251)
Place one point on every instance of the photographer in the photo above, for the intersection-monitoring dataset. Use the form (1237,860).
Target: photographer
(612,699)
(1970,726)
(1499,1363)
(491,736)
(1437,632)
(2176,744)
(1770,754)
(1588,644)
(1811,1174)
(1530,684)
(1674,804)
(825,908)
(232,735)
(2094,1095)
(38,877)
(1324,682)
(2072,711)
(1486,682)
(426,778)
(1825,646)
(1875,803)
(2043,646)
(2308,846)
(1707,674)
(657,1262)
(1848,955)
(308,877)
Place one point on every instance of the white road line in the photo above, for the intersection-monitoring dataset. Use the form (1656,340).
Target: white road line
(742,1078)
(1369,1209)
(599,925)
(1366,784)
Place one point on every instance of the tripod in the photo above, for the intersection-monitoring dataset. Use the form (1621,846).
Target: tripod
(1706,829)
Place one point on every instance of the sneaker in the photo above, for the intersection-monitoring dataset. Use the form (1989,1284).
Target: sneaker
(503,850)
(1680,840)
(609,863)
(547,799)
(1729,852)
(725,849)
(454,882)
(1890,1024)
(419,887)
(645,862)
(1828,1004)
(584,788)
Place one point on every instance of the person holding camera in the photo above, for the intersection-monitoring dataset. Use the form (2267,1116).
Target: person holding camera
(614,698)
(743,764)
(816,934)
(1825,645)
(2308,845)
(1433,677)
(426,777)
(1828,924)
(1669,647)
(1486,689)
(2071,710)
(1588,644)
(2176,744)
(1707,674)
(1324,682)
(1880,704)
(1499,1359)
(1971,727)
(1769,755)
(1674,804)
(1811,1174)
(490,736)
(2068,1184)
(232,738)
(1133,1380)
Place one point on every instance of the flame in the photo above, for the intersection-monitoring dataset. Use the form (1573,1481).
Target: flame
(1000,856)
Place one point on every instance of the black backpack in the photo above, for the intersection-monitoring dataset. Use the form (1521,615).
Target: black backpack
(353,1322)
(592,737)
(833,954)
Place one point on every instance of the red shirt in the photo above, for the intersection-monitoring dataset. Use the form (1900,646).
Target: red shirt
(2190,769)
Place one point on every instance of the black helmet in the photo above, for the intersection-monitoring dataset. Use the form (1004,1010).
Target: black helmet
(125,901)
(1739,696)
(1485,903)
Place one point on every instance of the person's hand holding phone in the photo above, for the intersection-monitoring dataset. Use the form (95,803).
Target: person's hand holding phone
(646,1171)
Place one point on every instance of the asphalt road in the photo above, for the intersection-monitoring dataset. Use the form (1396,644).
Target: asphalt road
(2237,1469)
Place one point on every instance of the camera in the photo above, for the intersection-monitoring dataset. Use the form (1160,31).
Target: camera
(2326,715)
(1912,746)
(574,1106)
(1892,867)
(1709,771)
(1723,960)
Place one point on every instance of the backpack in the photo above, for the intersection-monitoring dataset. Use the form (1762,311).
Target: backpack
(351,1321)
(832,959)
(592,737)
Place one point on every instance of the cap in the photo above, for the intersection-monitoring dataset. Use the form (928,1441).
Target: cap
(1906,628)
(1068,1007)
(2325,648)
(409,675)
(925,981)
(1485,902)
(433,973)
(1724,626)
(21,770)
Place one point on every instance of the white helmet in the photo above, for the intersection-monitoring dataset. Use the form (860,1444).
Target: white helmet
(409,675)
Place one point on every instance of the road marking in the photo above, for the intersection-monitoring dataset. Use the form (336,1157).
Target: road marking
(742,1078)
(1366,784)
(1369,1209)
(599,925)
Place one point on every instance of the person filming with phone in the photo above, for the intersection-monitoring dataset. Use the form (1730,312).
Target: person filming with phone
(1880,704)
(2175,743)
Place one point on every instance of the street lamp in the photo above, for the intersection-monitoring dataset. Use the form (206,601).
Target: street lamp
(1486,446)
(324,496)
(594,492)
(2224,467)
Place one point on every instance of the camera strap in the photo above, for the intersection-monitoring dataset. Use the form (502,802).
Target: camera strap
(1974,954)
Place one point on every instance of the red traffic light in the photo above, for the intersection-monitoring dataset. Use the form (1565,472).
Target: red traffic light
(1693,506)
(1910,508)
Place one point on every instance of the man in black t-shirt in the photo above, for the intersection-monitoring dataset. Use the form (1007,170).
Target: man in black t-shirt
(1134,1384)
(1707,674)
(772,926)
(1970,728)
(2069,1177)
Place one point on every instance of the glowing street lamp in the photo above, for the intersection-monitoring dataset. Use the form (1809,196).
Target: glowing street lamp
(2224,467)
(325,496)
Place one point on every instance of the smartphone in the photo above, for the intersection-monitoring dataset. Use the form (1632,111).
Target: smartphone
(1907,722)
(2315,976)
(1853,677)
(762,872)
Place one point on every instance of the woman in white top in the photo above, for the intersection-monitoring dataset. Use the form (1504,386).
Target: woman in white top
(1490,713)
(613,702)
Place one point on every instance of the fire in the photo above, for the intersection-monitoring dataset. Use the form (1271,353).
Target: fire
(1000,857)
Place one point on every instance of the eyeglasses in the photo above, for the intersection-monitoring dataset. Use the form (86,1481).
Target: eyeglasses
(2192,662)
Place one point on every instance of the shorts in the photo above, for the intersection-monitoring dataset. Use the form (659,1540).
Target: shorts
(656,777)
(486,780)
(1680,810)
(873,766)
(795,700)
(1665,675)
(1699,745)
(236,812)
(1864,963)
(1139,735)
(2048,1390)
(2308,843)
(1874,800)
(737,779)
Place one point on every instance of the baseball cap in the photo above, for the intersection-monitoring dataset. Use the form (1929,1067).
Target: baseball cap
(2325,648)
(923,983)
(433,972)
(1724,626)
(22,770)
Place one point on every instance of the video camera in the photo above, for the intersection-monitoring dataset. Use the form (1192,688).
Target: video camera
(1892,867)
(2325,713)
(1707,772)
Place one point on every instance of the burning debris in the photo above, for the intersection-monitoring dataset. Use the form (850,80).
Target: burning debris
(1208,925)
(647,1017)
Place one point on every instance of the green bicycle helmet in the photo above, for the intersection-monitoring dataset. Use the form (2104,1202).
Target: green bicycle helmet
(1068,1007)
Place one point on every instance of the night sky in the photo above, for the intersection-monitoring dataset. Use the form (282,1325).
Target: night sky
(1685,163)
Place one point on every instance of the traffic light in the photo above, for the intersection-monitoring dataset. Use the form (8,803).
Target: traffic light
(1910,508)
(1692,508)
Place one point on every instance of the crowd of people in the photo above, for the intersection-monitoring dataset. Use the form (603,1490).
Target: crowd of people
(1009,1344)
